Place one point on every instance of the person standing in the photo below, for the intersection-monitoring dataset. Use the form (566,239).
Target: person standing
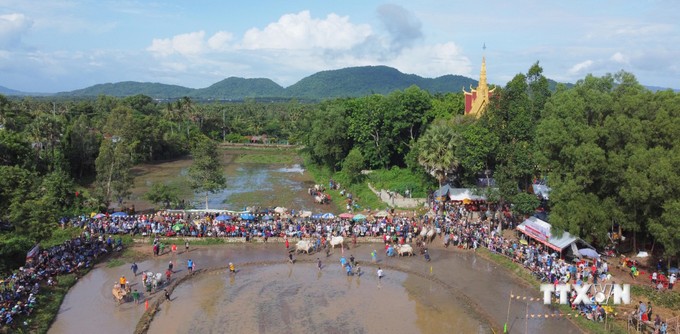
(170,265)
(290,258)
(135,296)
(318,263)
(380,274)
(134,268)
(351,260)
(374,256)
(186,246)
(190,266)
(167,295)
(348,268)
(671,281)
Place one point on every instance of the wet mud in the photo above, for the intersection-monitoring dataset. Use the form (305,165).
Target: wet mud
(457,290)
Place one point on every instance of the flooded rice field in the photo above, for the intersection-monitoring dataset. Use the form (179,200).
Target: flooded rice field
(255,177)
(456,292)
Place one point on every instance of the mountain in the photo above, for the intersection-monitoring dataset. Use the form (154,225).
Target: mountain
(364,80)
(129,88)
(234,88)
(7,91)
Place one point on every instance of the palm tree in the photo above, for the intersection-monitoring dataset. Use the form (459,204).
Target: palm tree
(437,151)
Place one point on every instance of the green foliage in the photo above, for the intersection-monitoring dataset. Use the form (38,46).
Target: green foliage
(353,165)
(525,204)
(60,235)
(163,194)
(13,249)
(402,179)
(437,151)
(205,174)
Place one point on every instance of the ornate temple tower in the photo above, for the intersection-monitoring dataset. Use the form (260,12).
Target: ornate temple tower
(477,99)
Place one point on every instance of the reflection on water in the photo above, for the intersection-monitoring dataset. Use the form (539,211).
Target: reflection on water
(264,186)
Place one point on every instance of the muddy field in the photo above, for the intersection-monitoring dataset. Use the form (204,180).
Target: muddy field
(456,291)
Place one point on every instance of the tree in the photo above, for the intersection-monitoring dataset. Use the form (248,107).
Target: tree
(161,193)
(525,204)
(113,170)
(353,165)
(437,149)
(327,140)
(206,174)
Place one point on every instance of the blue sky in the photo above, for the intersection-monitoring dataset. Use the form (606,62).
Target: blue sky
(54,45)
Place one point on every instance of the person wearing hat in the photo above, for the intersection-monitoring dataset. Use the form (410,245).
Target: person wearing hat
(671,281)
(122,282)
(232,268)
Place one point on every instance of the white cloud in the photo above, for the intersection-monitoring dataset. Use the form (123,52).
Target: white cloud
(300,31)
(619,58)
(184,44)
(433,60)
(219,40)
(12,27)
(582,66)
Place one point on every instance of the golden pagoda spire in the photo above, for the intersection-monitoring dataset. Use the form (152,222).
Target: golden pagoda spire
(482,74)
(477,99)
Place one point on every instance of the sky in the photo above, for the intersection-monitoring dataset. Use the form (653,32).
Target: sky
(60,45)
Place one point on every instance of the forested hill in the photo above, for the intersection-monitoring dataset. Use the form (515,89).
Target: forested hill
(347,82)
(360,81)
(234,88)
(130,88)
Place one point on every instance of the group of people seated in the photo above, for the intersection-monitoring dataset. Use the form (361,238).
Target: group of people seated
(19,290)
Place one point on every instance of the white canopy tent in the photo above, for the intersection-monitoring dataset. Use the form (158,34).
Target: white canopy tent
(542,232)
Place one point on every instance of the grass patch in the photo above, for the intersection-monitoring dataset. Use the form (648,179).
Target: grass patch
(667,299)
(114,263)
(363,195)
(48,302)
(401,179)
(59,236)
(263,155)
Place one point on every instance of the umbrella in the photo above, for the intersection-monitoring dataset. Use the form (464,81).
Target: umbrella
(346,215)
(358,217)
(328,215)
(279,209)
(381,214)
(589,252)
(267,217)
(119,214)
(316,216)
(306,214)
(221,218)
(99,215)
(177,227)
(247,216)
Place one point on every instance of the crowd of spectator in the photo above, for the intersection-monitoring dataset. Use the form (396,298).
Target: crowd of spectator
(19,291)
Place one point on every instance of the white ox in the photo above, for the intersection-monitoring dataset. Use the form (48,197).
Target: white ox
(337,241)
(405,249)
(304,246)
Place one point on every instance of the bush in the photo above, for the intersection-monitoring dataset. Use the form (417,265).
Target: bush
(402,179)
